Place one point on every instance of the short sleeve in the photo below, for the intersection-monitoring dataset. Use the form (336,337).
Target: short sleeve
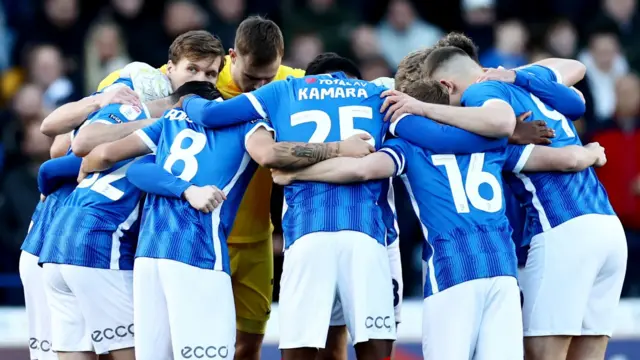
(516,157)
(480,94)
(119,113)
(543,72)
(150,135)
(398,150)
(269,97)
(252,127)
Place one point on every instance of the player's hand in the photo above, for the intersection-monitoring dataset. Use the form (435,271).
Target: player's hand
(397,103)
(180,101)
(356,146)
(122,95)
(500,74)
(204,198)
(83,173)
(282,177)
(598,151)
(532,132)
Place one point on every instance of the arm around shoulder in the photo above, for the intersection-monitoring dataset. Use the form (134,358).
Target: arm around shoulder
(572,158)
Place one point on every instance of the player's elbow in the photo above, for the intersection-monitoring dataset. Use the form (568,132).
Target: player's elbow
(568,161)
(48,128)
(81,145)
(266,157)
(505,124)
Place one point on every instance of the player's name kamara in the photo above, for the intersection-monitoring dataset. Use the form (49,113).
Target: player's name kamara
(332,93)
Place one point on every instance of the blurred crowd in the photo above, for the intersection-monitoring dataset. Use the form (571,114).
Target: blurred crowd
(54,51)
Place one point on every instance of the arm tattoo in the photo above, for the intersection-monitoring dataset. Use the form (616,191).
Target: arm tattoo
(294,155)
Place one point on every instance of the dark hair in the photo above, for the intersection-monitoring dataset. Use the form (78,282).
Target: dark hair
(260,39)
(204,89)
(603,27)
(439,56)
(196,45)
(409,69)
(331,62)
(461,41)
(430,91)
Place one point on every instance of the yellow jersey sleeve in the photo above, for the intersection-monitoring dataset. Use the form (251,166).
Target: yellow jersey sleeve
(253,221)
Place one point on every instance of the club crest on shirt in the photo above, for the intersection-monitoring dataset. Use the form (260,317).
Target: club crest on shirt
(130,112)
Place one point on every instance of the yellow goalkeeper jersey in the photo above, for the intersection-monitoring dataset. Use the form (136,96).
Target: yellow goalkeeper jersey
(253,221)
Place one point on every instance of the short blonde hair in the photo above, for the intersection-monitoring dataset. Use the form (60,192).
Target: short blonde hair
(410,68)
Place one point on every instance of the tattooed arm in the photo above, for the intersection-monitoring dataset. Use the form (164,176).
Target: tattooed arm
(295,155)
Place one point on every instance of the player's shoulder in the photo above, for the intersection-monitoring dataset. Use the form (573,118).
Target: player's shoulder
(109,80)
(120,113)
(477,93)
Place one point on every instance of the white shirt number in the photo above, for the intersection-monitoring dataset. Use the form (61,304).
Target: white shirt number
(469,191)
(186,155)
(346,115)
(102,185)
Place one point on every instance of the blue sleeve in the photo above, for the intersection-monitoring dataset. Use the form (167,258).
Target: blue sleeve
(479,93)
(150,177)
(56,172)
(240,109)
(542,72)
(558,96)
(516,157)
(399,151)
(119,113)
(150,135)
(442,139)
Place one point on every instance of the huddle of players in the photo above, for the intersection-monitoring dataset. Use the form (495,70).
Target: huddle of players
(184,304)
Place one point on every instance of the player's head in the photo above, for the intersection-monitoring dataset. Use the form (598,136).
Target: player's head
(461,41)
(409,69)
(195,56)
(257,53)
(453,69)
(329,62)
(204,89)
(429,91)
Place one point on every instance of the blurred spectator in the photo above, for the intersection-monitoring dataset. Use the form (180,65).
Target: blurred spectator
(45,69)
(181,16)
(331,21)
(105,52)
(479,16)
(226,15)
(605,64)
(375,67)
(403,32)
(509,50)
(625,16)
(364,42)
(304,48)
(562,39)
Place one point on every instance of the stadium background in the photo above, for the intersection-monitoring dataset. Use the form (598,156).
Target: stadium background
(54,51)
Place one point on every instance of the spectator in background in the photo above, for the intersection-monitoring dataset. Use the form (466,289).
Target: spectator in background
(46,69)
(479,16)
(562,39)
(375,67)
(605,64)
(105,52)
(303,49)
(625,16)
(509,49)
(332,22)
(181,16)
(403,32)
(225,16)
(364,42)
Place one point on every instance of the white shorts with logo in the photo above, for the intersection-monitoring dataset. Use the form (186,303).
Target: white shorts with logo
(395,265)
(322,265)
(479,319)
(573,277)
(182,311)
(91,309)
(37,308)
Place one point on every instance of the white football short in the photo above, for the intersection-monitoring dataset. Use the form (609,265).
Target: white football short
(91,309)
(322,265)
(573,277)
(479,319)
(395,265)
(37,308)
(182,311)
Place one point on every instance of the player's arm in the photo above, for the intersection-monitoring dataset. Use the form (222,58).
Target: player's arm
(69,116)
(567,71)
(99,132)
(151,178)
(60,145)
(342,170)
(441,138)
(264,150)
(572,158)
(55,172)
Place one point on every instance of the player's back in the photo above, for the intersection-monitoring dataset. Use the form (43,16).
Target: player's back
(460,204)
(97,223)
(552,198)
(321,109)
(203,157)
